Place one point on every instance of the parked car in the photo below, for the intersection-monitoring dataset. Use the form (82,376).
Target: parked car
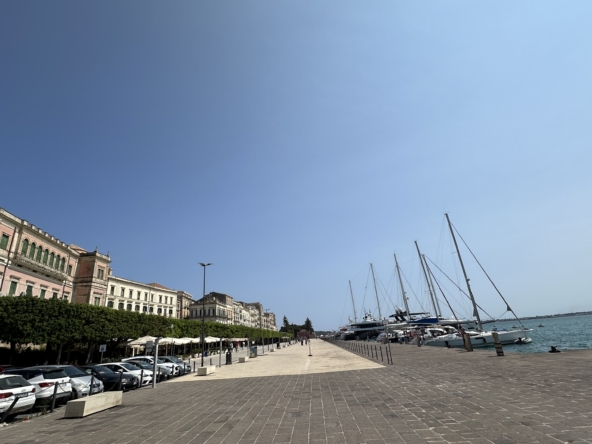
(80,381)
(4,367)
(184,367)
(16,387)
(161,374)
(130,369)
(109,378)
(173,368)
(44,379)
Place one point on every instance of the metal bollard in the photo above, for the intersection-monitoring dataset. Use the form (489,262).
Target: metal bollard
(7,412)
(381,357)
(193,366)
(210,361)
(141,378)
(92,381)
(53,398)
(120,380)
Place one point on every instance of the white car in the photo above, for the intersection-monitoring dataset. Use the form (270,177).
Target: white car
(44,379)
(129,369)
(16,387)
(172,367)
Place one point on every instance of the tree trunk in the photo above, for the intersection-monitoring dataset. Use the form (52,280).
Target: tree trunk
(59,357)
(12,351)
(89,353)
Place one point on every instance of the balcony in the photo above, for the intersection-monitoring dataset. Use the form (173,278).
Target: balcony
(39,267)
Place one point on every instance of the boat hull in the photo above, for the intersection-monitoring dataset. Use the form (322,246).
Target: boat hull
(484,339)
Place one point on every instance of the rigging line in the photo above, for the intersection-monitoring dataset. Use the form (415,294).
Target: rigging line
(460,289)
(483,269)
(438,284)
(413,292)
(385,291)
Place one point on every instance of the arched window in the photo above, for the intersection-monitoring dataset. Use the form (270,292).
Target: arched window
(63,264)
(144,309)
(57,262)
(32,250)
(25,247)
(45,254)
(39,253)
(51,258)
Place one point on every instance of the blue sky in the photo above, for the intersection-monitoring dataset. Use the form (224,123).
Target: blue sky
(291,143)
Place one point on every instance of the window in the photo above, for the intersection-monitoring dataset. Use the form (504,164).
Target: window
(100,273)
(159,299)
(66,297)
(159,310)
(110,304)
(122,292)
(131,293)
(51,259)
(113,289)
(120,306)
(170,312)
(57,262)
(129,307)
(4,241)
(42,293)
(32,250)
(12,290)
(70,272)
(97,300)
(151,309)
(25,247)
(54,295)
(62,264)
(39,253)
(137,308)
(146,296)
(144,309)
(151,298)
(138,295)
(29,290)
(45,254)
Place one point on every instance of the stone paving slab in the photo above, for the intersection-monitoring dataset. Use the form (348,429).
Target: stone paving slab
(429,395)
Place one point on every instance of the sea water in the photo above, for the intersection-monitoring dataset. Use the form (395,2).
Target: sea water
(564,332)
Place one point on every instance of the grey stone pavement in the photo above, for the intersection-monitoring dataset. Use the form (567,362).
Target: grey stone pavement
(429,395)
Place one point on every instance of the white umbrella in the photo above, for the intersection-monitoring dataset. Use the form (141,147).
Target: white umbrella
(142,340)
(210,339)
(181,341)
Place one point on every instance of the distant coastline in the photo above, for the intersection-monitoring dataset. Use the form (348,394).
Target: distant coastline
(560,315)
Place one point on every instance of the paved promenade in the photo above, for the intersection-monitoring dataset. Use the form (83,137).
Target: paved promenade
(429,395)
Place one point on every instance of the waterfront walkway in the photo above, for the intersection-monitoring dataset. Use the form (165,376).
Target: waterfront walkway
(429,395)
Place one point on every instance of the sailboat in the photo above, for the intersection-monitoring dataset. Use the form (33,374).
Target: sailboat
(478,337)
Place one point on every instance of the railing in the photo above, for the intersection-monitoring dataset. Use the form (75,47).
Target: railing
(44,268)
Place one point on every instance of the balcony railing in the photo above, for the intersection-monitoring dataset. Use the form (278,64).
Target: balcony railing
(40,267)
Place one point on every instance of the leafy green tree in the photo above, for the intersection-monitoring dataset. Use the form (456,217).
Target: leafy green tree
(308,325)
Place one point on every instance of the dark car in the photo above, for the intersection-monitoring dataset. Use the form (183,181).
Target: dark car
(110,378)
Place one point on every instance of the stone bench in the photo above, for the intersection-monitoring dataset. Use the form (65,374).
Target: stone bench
(243,359)
(206,370)
(272,350)
(79,408)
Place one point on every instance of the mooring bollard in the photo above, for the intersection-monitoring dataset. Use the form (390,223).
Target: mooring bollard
(498,345)
(468,344)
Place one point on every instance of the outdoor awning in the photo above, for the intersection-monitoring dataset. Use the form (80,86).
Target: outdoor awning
(210,339)
(142,340)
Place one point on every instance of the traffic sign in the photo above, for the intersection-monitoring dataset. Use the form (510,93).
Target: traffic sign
(103,348)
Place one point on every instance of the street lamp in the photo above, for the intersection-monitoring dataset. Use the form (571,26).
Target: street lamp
(203,313)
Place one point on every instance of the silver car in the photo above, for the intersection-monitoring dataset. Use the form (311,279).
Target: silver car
(80,381)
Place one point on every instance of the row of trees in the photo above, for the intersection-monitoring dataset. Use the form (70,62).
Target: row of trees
(295,328)
(56,324)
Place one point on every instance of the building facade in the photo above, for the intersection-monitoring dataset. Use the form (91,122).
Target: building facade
(184,300)
(218,308)
(153,298)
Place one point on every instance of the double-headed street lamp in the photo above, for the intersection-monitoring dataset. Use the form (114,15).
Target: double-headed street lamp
(203,313)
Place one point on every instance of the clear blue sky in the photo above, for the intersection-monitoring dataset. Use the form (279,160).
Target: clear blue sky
(291,143)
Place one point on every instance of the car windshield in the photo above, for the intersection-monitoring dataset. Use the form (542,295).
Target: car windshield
(129,366)
(142,365)
(55,374)
(11,382)
(72,371)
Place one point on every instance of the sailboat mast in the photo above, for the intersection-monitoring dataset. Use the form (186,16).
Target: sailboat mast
(425,274)
(475,311)
(438,309)
(376,292)
(353,303)
(402,288)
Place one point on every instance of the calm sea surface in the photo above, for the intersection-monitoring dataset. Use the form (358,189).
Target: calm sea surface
(567,333)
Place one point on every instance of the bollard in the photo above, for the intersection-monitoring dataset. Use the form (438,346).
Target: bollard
(92,381)
(120,379)
(468,344)
(141,378)
(7,412)
(53,398)
(498,346)
(193,366)
(381,357)
(210,361)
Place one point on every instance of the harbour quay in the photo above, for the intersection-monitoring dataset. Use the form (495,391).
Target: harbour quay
(326,393)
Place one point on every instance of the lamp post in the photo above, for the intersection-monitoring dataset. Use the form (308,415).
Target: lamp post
(203,313)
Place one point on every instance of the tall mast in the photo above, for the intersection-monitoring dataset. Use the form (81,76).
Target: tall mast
(353,303)
(425,274)
(438,309)
(475,311)
(376,292)
(402,288)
